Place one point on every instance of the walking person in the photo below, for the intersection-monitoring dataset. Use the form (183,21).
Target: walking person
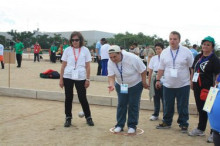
(156,93)
(75,70)
(19,47)
(126,74)
(175,62)
(37,49)
(205,70)
(2,55)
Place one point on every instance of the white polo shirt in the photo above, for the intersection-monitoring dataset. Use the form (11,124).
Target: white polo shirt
(183,62)
(132,67)
(104,51)
(154,63)
(83,57)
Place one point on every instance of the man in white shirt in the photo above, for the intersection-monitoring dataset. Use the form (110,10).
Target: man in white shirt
(175,62)
(104,56)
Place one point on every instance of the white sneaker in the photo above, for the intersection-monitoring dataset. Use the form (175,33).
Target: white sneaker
(153,118)
(196,132)
(210,139)
(131,130)
(117,129)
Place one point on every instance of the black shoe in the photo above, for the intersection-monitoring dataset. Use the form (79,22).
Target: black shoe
(68,122)
(184,129)
(163,126)
(90,122)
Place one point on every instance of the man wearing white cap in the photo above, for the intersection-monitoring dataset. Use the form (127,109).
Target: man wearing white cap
(130,74)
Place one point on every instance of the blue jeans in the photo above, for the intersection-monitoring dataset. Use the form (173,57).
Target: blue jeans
(128,102)
(104,67)
(182,96)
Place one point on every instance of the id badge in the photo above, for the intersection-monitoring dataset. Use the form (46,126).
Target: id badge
(173,72)
(195,77)
(75,74)
(162,79)
(124,88)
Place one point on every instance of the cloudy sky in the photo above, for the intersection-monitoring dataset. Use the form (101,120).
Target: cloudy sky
(194,19)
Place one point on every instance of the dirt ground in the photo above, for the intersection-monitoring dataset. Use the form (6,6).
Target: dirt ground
(40,122)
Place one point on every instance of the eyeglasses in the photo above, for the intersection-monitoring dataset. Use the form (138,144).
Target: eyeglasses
(76,40)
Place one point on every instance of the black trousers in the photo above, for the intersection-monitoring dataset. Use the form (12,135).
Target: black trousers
(36,55)
(81,91)
(2,63)
(216,138)
(203,117)
(19,59)
(99,66)
(53,57)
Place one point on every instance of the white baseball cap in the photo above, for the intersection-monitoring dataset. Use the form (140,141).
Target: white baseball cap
(114,49)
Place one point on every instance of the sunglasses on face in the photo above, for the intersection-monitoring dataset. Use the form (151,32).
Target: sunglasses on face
(76,40)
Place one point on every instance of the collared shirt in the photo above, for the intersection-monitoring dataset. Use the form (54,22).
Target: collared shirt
(183,62)
(83,57)
(154,63)
(132,68)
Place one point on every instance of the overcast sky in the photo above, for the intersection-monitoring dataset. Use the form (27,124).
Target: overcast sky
(194,19)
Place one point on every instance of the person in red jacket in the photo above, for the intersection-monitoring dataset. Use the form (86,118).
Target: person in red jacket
(37,48)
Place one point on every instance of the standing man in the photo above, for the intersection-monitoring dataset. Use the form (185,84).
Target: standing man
(104,56)
(2,55)
(98,57)
(135,50)
(194,51)
(65,45)
(148,54)
(175,62)
(53,50)
(19,50)
(36,51)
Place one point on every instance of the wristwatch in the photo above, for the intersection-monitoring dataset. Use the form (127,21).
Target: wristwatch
(88,80)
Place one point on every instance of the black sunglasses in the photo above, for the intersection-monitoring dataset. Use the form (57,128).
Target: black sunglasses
(76,40)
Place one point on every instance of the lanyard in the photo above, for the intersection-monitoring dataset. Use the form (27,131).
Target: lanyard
(201,60)
(159,58)
(76,57)
(120,70)
(174,58)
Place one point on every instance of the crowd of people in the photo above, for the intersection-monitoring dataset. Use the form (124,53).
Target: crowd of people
(170,76)
(171,72)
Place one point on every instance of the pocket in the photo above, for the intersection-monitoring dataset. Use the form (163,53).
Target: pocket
(203,94)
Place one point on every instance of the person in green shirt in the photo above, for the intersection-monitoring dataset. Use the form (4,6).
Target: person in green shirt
(53,50)
(19,50)
(65,45)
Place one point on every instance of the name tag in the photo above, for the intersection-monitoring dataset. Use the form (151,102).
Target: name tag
(195,77)
(75,74)
(210,99)
(162,79)
(173,72)
(124,88)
